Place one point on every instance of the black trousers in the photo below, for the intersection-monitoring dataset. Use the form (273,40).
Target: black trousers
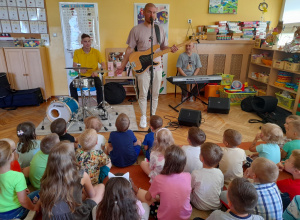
(98,85)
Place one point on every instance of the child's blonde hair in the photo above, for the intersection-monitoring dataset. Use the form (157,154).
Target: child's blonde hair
(163,139)
(93,122)
(293,117)
(265,170)
(7,146)
(296,155)
(296,126)
(273,133)
(88,139)
(122,122)
(232,137)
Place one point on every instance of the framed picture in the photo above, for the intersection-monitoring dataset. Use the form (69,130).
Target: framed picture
(223,6)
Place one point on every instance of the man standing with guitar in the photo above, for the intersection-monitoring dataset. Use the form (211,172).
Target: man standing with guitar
(139,37)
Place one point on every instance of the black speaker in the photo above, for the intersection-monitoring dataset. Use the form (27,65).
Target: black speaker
(189,117)
(218,105)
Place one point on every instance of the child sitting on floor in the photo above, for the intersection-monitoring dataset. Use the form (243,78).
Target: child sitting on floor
(208,181)
(113,206)
(196,137)
(14,202)
(272,135)
(14,165)
(156,123)
(28,146)
(242,198)
(264,173)
(39,161)
(292,212)
(291,165)
(163,139)
(233,158)
(94,122)
(173,187)
(62,185)
(293,133)
(123,147)
(59,126)
(94,162)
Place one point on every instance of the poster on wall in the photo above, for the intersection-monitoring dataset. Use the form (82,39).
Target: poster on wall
(223,6)
(76,19)
(162,20)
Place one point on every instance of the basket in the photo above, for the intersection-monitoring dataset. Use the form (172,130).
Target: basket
(284,101)
(235,98)
(256,59)
(278,64)
(292,66)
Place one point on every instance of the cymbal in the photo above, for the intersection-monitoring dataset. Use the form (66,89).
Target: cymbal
(101,71)
(78,68)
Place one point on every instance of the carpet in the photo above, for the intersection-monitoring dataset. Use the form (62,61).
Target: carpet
(108,124)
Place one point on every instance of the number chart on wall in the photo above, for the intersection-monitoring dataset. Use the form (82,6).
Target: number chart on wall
(76,19)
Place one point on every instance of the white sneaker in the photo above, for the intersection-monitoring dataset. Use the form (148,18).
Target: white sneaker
(143,121)
(191,99)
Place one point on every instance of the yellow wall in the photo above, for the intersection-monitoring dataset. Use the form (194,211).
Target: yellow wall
(116,20)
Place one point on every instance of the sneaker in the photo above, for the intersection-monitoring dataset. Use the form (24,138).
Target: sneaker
(143,121)
(191,99)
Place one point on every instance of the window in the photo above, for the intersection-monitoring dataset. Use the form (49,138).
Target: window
(290,16)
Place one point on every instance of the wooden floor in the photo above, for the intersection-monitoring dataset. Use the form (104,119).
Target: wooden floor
(213,124)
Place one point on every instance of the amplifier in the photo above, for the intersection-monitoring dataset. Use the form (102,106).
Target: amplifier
(218,105)
(189,117)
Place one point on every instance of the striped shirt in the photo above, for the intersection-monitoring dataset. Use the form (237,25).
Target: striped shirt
(292,212)
(269,204)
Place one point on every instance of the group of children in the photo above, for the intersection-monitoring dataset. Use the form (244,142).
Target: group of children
(67,173)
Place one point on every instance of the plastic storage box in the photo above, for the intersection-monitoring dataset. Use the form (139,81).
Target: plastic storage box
(235,98)
(284,101)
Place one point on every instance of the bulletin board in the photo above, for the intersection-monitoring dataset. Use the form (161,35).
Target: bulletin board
(162,20)
(23,17)
(76,19)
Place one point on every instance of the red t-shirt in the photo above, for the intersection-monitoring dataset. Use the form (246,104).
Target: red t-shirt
(291,186)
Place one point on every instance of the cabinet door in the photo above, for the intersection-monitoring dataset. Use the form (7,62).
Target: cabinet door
(33,68)
(2,62)
(15,68)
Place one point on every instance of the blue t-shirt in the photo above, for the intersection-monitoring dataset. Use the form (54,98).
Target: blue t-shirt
(290,146)
(149,139)
(123,153)
(269,151)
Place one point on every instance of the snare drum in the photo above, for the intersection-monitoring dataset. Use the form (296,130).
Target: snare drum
(64,108)
(84,82)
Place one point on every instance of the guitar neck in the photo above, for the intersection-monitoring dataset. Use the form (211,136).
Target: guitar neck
(160,53)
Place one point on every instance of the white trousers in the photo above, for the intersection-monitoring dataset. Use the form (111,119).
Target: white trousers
(144,84)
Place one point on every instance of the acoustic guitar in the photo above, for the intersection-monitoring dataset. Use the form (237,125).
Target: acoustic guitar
(141,61)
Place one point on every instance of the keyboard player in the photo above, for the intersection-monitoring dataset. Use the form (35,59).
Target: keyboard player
(188,64)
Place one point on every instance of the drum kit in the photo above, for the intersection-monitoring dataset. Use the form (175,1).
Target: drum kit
(69,109)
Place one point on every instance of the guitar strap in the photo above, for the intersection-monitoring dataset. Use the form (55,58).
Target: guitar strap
(157,33)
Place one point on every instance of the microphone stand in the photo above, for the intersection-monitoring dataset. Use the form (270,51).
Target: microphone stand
(151,70)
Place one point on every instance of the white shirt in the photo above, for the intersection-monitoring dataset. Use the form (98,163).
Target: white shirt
(206,188)
(100,142)
(231,163)
(192,158)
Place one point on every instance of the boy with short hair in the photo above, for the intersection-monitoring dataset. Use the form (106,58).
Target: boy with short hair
(233,158)
(242,198)
(292,132)
(39,161)
(264,172)
(95,123)
(123,147)
(208,181)
(156,122)
(291,165)
(196,137)
(94,162)
(59,126)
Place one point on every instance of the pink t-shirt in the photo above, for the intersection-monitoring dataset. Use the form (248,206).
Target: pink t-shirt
(140,36)
(174,191)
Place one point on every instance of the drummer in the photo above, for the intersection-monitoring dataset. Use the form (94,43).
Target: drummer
(88,57)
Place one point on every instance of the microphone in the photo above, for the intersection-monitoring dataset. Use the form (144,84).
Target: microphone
(151,20)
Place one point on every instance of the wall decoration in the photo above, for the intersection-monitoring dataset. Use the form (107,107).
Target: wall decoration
(162,20)
(223,6)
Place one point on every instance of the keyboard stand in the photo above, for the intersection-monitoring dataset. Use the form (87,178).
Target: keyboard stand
(198,87)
